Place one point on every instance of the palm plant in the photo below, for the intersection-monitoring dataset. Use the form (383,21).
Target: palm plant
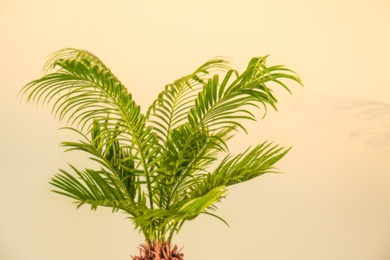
(154,166)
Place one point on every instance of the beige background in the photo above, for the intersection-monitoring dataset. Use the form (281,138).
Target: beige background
(332,203)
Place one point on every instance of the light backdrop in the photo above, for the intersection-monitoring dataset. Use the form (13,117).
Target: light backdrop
(333,200)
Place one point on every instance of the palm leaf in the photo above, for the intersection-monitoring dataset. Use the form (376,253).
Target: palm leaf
(103,147)
(85,91)
(223,105)
(171,107)
(171,219)
(240,168)
(97,188)
(155,166)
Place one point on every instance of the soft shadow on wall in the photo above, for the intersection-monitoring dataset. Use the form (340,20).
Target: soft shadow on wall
(366,120)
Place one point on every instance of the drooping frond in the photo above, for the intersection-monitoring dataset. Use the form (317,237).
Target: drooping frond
(155,166)
(84,90)
(104,148)
(82,86)
(222,105)
(97,188)
(218,111)
(242,167)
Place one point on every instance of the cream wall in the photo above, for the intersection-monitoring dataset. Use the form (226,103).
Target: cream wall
(333,203)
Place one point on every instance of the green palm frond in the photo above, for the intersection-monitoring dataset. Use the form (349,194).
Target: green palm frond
(224,105)
(172,105)
(175,215)
(242,167)
(97,188)
(85,90)
(155,166)
(106,151)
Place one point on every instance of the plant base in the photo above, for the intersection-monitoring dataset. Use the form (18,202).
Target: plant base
(159,251)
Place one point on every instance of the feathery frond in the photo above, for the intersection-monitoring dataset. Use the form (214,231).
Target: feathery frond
(155,166)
